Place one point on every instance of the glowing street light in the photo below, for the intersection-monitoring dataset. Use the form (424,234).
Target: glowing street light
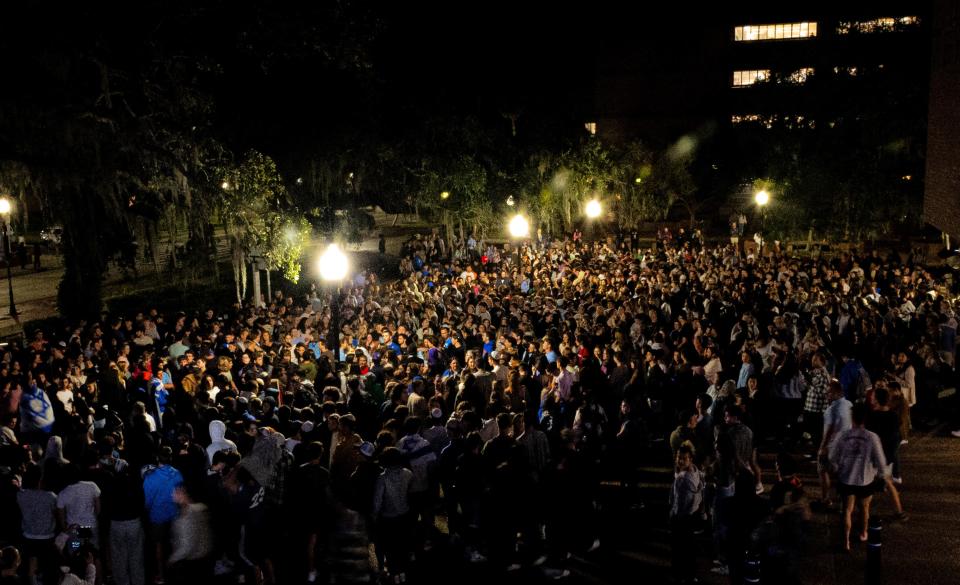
(225,185)
(445,195)
(333,264)
(762,197)
(593,209)
(519,227)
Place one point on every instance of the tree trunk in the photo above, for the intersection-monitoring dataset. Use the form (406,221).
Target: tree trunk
(24,212)
(255,293)
(269,287)
(448,226)
(236,256)
(79,294)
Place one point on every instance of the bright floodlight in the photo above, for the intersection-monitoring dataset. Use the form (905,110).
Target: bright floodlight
(333,264)
(519,227)
(444,194)
(762,198)
(593,209)
(4,205)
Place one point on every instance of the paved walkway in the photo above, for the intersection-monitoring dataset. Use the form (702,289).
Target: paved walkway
(925,549)
(635,545)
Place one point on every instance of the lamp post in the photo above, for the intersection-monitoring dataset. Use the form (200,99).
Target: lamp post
(593,209)
(519,228)
(762,198)
(5,218)
(333,267)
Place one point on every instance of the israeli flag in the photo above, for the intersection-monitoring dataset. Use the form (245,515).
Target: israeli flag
(160,394)
(36,412)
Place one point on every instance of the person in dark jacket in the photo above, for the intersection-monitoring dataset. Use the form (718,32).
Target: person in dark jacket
(309,494)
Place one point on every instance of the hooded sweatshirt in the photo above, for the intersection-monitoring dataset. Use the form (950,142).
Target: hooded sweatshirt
(217,443)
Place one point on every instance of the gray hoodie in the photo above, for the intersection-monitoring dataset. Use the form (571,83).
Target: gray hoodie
(217,442)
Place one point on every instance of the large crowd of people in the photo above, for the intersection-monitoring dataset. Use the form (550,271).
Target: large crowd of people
(491,388)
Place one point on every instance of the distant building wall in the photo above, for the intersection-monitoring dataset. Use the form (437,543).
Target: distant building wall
(941,201)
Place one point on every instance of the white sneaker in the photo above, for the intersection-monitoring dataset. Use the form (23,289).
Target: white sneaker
(540,560)
(759,489)
(556,574)
(898,480)
(595,545)
(955,433)
(904,442)
(476,557)
(311,576)
(513,567)
(720,570)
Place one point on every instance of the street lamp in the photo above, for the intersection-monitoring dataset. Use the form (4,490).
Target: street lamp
(333,267)
(5,218)
(519,228)
(5,208)
(762,198)
(593,209)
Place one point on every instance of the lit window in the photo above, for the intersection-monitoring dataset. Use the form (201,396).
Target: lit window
(749,77)
(848,70)
(772,32)
(741,118)
(791,121)
(885,24)
(800,75)
(591,128)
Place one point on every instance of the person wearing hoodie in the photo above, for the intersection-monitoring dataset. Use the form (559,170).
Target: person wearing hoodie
(422,459)
(218,430)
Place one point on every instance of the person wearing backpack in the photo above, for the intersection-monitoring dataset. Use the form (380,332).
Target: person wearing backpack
(853,377)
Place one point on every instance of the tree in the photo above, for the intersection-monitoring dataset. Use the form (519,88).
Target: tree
(254,213)
(114,123)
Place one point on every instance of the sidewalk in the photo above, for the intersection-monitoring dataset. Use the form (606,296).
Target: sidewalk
(922,550)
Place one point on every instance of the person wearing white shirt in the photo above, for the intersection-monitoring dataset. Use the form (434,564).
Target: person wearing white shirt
(836,421)
(857,457)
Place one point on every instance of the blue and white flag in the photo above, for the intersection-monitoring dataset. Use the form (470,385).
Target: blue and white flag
(36,412)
